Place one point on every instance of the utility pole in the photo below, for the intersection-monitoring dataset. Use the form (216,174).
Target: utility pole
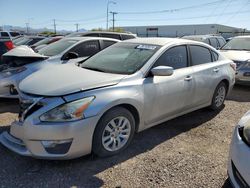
(109,2)
(113,20)
(76,27)
(54,21)
(27,27)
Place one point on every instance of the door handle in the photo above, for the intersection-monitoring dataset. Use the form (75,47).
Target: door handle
(188,78)
(216,70)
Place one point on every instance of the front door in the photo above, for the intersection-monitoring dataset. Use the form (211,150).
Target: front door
(166,96)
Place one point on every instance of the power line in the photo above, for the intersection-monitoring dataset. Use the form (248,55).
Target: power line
(174,10)
(187,18)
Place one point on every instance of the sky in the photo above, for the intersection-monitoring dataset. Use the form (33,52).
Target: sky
(92,13)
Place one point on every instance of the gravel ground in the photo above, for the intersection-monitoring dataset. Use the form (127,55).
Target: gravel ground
(189,151)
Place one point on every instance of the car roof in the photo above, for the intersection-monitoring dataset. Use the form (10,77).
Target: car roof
(244,36)
(201,36)
(159,40)
(89,38)
(107,32)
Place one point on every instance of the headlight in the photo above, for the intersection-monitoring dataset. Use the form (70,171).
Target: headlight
(68,112)
(245,126)
(246,133)
(12,71)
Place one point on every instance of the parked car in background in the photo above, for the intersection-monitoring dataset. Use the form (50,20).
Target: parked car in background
(46,41)
(238,50)
(8,34)
(5,46)
(28,40)
(70,111)
(114,35)
(239,164)
(23,61)
(214,40)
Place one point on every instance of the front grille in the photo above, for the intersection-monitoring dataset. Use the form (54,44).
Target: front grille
(239,179)
(28,107)
(239,64)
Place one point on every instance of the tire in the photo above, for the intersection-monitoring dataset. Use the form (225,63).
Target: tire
(219,97)
(108,140)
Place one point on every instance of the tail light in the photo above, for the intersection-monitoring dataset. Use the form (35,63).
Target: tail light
(9,45)
(233,66)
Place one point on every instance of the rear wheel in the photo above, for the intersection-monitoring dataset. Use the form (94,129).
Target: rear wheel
(114,132)
(219,97)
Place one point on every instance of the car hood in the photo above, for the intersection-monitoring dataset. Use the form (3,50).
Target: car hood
(236,55)
(66,79)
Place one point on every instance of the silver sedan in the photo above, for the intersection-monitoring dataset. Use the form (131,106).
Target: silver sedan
(128,87)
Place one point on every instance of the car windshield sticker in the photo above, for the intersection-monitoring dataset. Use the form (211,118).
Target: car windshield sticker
(145,47)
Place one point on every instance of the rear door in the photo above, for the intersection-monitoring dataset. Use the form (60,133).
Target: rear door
(166,96)
(205,73)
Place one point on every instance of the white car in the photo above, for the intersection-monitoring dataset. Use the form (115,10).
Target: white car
(239,157)
(23,61)
(238,50)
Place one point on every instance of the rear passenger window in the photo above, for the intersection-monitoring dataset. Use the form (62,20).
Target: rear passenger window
(126,37)
(215,56)
(213,42)
(221,41)
(92,35)
(200,55)
(107,43)
(86,49)
(113,36)
(175,57)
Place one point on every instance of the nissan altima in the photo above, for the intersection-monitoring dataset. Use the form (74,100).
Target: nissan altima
(99,105)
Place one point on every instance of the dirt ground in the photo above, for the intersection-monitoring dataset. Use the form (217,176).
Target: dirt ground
(189,151)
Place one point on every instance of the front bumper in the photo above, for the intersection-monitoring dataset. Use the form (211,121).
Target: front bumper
(238,164)
(27,139)
(242,77)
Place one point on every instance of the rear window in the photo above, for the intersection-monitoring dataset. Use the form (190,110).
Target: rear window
(4,34)
(14,34)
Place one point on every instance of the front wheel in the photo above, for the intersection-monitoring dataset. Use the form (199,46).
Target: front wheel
(114,132)
(219,96)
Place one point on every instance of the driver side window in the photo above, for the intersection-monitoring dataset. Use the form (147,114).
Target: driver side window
(86,49)
(175,57)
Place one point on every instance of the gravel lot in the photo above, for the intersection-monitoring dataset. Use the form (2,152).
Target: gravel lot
(189,151)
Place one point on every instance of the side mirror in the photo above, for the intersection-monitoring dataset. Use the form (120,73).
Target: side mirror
(70,55)
(162,71)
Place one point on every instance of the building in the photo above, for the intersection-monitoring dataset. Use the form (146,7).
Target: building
(181,30)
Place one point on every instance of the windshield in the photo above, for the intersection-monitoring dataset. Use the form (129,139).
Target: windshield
(44,41)
(23,41)
(121,58)
(57,47)
(237,44)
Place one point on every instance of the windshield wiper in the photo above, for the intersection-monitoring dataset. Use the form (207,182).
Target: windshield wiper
(94,69)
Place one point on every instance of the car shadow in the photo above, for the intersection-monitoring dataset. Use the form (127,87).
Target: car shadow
(9,105)
(240,93)
(82,171)
(227,184)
